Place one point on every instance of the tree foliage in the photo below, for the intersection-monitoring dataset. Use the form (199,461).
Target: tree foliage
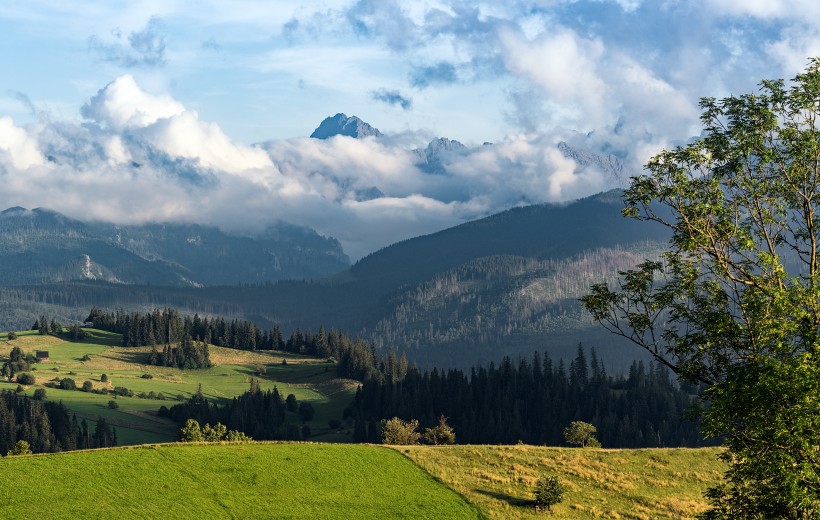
(399,432)
(581,434)
(548,492)
(735,303)
(441,433)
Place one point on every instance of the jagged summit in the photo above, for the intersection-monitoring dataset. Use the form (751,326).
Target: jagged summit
(341,124)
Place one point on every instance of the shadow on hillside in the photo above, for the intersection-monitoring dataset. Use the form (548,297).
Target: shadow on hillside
(139,358)
(513,501)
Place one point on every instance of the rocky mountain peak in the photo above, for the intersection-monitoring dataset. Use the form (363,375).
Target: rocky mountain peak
(341,124)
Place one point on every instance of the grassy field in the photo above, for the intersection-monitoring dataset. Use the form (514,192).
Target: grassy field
(260,480)
(637,484)
(309,379)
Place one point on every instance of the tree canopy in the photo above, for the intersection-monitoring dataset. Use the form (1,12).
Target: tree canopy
(735,301)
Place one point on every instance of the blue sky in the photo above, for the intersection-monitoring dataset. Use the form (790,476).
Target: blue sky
(213,100)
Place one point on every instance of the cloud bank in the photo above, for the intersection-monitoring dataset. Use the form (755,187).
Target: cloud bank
(139,157)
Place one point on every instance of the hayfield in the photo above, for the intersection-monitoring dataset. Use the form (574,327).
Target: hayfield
(636,484)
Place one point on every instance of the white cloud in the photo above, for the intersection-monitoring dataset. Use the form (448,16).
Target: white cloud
(20,149)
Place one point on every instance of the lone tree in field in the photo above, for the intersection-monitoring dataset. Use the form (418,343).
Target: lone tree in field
(581,434)
(735,303)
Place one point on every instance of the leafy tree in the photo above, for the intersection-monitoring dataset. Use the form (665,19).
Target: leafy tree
(396,431)
(735,303)
(68,384)
(548,492)
(12,335)
(26,379)
(581,434)
(441,433)
(39,394)
(191,432)
(88,386)
(113,404)
(214,433)
(20,448)
(291,403)
(103,378)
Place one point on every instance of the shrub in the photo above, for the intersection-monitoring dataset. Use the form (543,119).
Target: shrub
(39,394)
(121,390)
(20,448)
(103,378)
(442,433)
(68,384)
(25,379)
(86,357)
(237,436)
(88,386)
(548,492)
(19,389)
(396,431)
(113,404)
(12,335)
(147,376)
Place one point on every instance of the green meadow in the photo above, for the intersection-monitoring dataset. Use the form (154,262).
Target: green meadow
(258,480)
(309,379)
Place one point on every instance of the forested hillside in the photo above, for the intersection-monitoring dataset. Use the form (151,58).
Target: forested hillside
(504,285)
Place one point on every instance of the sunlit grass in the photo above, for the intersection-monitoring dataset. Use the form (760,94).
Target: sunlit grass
(643,484)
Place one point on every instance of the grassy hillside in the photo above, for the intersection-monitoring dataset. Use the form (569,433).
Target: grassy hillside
(309,379)
(268,480)
(640,484)
(307,480)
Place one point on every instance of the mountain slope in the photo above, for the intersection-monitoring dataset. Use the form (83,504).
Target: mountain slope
(42,246)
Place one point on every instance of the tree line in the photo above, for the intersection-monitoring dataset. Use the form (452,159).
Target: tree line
(48,427)
(185,341)
(532,401)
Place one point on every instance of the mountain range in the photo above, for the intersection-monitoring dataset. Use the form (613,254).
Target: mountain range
(506,284)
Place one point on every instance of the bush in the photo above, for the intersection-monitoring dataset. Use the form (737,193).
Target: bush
(39,394)
(548,492)
(191,432)
(442,433)
(86,357)
(103,378)
(68,384)
(124,392)
(20,448)
(12,335)
(25,379)
(396,431)
(88,386)
(19,389)
(147,376)
(113,404)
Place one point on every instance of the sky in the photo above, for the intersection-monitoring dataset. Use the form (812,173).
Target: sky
(133,112)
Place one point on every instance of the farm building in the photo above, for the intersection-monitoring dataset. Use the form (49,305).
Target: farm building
(41,355)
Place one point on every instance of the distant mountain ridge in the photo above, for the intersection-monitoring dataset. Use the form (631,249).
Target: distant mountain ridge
(43,246)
